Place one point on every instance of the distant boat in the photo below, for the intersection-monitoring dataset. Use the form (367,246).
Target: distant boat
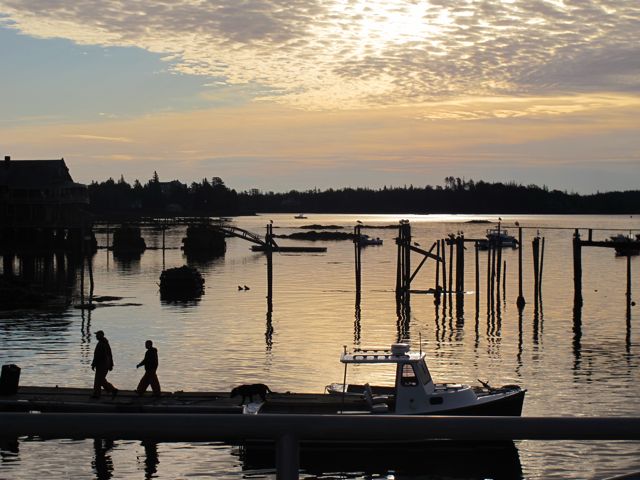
(300,215)
(498,237)
(365,240)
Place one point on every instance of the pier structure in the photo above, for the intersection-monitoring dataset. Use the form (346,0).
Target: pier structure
(288,432)
(626,251)
(404,275)
(45,228)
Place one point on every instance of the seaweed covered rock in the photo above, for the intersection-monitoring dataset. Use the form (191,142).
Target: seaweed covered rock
(181,283)
(128,241)
(204,240)
(318,236)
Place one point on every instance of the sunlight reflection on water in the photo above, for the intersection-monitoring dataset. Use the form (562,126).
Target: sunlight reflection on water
(228,337)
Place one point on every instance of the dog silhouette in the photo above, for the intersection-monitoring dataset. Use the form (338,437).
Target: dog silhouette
(248,391)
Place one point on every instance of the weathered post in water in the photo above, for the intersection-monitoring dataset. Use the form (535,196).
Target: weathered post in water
(358,260)
(541,266)
(450,269)
(520,302)
(268,250)
(535,248)
(475,244)
(577,269)
(403,271)
(504,280)
(460,264)
(628,287)
(438,289)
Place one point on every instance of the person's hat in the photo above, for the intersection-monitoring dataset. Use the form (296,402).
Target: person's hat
(99,333)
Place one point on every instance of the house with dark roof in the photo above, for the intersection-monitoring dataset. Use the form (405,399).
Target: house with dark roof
(41,194)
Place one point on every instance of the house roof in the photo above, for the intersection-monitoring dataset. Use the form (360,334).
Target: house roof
(35,174)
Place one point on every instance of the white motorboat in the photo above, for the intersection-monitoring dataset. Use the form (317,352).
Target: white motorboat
(498,238)
(415,393)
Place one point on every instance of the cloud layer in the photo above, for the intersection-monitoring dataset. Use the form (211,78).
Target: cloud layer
(361,53)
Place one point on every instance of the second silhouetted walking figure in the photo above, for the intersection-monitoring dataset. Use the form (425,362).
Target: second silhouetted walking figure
(102,364)
(150,377)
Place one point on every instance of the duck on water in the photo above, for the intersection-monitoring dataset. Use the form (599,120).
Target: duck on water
(414,393)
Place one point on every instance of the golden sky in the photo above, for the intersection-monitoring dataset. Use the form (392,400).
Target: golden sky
(300,94)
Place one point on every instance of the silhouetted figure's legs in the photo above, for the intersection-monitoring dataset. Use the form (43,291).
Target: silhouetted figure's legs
(149,378)
(100,381)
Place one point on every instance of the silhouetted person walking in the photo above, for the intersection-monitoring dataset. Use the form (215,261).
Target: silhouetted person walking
(102,364)
(150,377)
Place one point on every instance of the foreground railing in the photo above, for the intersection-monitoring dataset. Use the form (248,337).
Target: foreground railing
(287,431)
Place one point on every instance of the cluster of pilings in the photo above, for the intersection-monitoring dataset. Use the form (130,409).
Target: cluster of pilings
(39,264)
(578,244)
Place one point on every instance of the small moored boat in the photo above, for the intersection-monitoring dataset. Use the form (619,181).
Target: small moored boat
(365,240)
(498,238)
(415,393)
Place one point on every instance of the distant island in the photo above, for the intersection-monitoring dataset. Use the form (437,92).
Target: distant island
(212,197)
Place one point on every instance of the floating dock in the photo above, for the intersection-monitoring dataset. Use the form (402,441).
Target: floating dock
(262,248)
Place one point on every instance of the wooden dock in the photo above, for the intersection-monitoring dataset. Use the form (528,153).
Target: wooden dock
(78,400)
(294,249)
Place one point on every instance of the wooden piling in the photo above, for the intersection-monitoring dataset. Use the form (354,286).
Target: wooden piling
(450,269)
(577,269)
(399,262)
(475,244)
(520,302)
(403,270)
(437,286)
(535,248)
(541,267)
(489,278)
(444,265)
(460,264)
(499,262)
(269,253)
(504,279)
(438,264)
(358,261)
(628,287)
(444,274)
(493,272)
(407,262)
(82,256)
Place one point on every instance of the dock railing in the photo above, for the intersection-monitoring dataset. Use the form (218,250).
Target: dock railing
(379,428)
(287,431)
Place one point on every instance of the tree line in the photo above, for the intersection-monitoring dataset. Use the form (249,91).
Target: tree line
(212,197)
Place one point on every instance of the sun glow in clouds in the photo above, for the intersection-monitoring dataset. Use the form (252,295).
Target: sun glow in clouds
(354,54)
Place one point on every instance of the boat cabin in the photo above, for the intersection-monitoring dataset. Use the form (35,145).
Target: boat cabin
(414,386)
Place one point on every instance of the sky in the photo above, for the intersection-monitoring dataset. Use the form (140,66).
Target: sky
(299,94)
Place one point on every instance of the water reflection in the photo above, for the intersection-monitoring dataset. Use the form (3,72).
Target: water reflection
(9,450)
(151,460)
(577,336)
(403,313)
(127,263)
(268,334)
(357,327)
(102,464)
(439,460)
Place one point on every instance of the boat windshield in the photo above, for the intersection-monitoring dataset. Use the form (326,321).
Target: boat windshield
(414,374)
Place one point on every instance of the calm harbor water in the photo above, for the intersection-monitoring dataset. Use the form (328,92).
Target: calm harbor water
(229,337)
